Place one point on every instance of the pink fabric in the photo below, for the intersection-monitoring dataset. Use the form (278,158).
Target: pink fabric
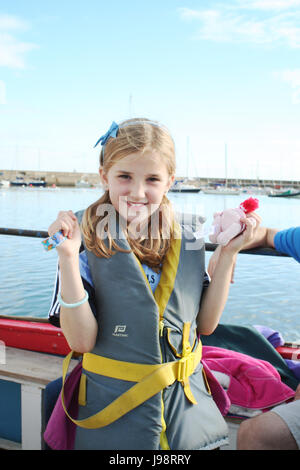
(218,393)
(254,383)
(61,431)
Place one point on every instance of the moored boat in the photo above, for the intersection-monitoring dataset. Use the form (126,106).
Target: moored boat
(288,193)
(19,182)
(37,183)
(185,189)
(82,184)
(180,187)
(222,191)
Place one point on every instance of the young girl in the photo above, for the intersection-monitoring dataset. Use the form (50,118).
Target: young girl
(132,302)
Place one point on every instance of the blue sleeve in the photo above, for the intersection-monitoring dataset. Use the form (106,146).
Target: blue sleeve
(84,268)
(206,282)
(288,241)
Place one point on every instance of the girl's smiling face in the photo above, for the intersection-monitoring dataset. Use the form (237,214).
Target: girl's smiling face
(137,184)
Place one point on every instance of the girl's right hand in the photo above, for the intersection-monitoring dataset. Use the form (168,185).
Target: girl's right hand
(67,222)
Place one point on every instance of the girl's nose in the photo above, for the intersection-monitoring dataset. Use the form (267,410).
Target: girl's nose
(138,190)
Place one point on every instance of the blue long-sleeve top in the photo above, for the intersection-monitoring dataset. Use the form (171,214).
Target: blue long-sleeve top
(288,241)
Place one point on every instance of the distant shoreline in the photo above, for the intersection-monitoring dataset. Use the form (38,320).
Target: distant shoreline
(51,178)
(69,179)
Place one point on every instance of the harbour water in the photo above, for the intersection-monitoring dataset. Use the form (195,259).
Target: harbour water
(265,290)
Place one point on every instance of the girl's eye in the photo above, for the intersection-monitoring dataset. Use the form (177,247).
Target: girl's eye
(125,177)
(153,179)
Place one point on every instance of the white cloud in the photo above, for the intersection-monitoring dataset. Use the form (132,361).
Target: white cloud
(268,4)
(292,78)
(2,92)
(12,50)
(8,22)
(257,22)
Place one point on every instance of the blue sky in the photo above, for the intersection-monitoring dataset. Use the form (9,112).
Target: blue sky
(214,72)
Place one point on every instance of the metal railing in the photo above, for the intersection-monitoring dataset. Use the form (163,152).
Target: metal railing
(208,246)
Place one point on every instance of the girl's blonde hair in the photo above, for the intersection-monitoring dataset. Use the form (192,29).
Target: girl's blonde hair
(134,135)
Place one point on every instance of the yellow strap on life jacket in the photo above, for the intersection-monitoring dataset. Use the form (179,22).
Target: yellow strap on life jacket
(186,351)
(150,382)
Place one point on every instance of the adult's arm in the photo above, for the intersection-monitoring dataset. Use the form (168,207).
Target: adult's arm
(287,241)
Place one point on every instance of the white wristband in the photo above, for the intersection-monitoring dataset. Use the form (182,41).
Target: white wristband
(76,304)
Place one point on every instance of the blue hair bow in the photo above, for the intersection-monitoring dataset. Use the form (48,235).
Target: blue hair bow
(112,132)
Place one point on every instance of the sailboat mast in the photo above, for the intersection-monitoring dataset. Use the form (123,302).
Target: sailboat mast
(187,156)
(130,106)
(226,165)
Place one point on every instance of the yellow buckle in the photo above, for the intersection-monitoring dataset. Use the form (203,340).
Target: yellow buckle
(186,366)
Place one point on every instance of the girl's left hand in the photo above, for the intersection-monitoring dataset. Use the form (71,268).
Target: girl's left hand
(250,235)
(252,222)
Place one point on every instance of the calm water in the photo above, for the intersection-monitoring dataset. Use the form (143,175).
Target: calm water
(266,289)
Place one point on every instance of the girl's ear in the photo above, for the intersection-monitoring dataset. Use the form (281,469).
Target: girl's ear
(170,182)
(103,177)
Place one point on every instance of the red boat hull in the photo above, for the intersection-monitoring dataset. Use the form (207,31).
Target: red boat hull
(289,352)
(33,336)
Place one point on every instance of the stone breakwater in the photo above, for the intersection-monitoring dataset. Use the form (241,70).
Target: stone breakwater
(69,179)
(51,178)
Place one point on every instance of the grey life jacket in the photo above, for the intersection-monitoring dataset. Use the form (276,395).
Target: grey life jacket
(137,331)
